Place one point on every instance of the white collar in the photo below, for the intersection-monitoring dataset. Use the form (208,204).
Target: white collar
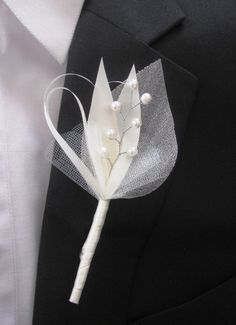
(52,22)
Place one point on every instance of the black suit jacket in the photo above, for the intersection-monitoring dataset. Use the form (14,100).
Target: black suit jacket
(169,257)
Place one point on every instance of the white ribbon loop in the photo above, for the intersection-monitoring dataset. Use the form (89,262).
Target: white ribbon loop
(77,162)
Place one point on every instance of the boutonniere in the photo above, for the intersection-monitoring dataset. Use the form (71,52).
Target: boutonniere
(126,148)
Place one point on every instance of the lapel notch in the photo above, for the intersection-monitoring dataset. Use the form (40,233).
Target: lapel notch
(144,20)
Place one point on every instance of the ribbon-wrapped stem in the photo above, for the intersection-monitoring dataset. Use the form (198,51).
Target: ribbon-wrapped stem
(88,250)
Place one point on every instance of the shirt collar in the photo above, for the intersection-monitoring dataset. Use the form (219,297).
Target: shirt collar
(52,22)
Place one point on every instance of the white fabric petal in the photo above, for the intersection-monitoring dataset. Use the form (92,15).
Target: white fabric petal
(128,99)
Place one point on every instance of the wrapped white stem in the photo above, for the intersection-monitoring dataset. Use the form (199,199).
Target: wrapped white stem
(88,250)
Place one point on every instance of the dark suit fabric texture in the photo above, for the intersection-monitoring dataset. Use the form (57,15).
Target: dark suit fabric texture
(167,258)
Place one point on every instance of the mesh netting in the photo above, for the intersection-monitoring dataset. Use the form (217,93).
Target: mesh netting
(76,140)
(157,148)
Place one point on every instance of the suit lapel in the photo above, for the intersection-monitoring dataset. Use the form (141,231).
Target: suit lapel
(69,209)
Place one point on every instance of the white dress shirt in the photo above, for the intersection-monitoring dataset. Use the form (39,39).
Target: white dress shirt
(34,40)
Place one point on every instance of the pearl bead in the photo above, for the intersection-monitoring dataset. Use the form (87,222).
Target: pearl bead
(104,152)
(111,134)
(132,152)
(133,84)
(146,98)
(136,122)
(116,106)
